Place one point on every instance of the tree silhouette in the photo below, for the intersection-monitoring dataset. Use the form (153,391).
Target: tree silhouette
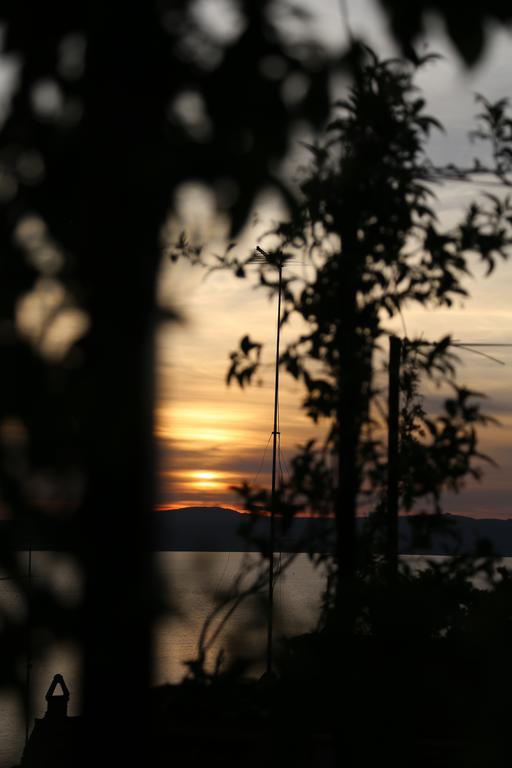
(367,223)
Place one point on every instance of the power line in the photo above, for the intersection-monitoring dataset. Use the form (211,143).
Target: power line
(463,175)
(474,348)
(480,354)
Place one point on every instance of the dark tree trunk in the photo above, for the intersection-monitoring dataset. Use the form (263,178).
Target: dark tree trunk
(121,217)
(349,416)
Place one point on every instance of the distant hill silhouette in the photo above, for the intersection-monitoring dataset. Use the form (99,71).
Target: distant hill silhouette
(218,529)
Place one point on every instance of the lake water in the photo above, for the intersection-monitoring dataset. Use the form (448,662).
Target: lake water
(190,580)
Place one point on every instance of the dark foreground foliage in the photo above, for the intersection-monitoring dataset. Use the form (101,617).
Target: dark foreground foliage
(428,686)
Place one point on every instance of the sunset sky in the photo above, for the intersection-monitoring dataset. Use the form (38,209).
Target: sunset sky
(211,437)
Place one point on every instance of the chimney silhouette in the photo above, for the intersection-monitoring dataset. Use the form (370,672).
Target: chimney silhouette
(57,706)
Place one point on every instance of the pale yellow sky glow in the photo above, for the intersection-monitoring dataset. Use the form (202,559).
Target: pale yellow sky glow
(202,425)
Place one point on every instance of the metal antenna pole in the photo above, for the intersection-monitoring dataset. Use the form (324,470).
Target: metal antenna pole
(28,669)
(270,622)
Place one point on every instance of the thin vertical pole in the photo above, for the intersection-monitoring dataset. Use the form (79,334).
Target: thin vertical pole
(29,644)
(395,351)
(270,622)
